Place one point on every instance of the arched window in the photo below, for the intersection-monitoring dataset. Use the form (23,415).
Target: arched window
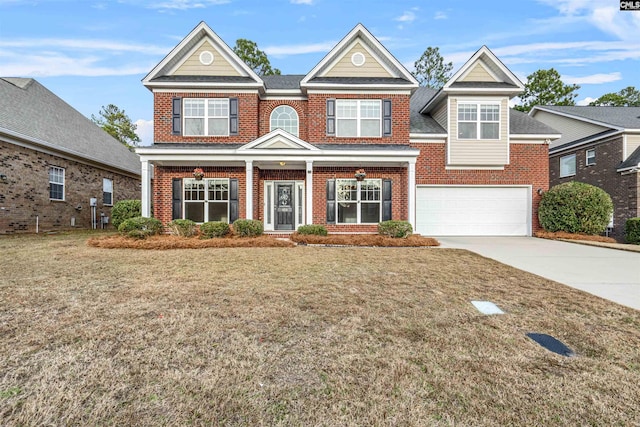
(285,118)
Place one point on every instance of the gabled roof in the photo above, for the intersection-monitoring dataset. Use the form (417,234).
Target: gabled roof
(632,162)
(278,139)
(32,114)
(483,73)
(614,117)
(167,71)
(360,36)
(522,124)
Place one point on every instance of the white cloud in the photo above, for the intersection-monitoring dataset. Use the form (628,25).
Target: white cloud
(585,101)
(185,4)
(440,15)
(93,45)
(299,49)
(307,2)
(406,17)
(593,79)
(144,130)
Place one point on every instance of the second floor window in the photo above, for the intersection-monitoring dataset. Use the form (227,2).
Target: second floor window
(478,121)
(358,118)
(206,117)
(286,118)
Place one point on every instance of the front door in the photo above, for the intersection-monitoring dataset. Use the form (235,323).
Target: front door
(284,206)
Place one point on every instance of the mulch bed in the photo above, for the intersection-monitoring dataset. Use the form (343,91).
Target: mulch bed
(573,236)
(364,240)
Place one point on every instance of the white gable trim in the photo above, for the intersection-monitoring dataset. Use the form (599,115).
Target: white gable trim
(348,48)
(275,137)
(359,31)
(216,41)
(484,50)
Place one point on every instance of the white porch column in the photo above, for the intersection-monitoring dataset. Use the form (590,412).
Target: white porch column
(146,189)
(249,189)
(412,194)
(309,192)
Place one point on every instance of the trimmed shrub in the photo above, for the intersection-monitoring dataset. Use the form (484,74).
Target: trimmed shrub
(632,231)
(183,227)
(212,229)
(312,229)
(396,229)
(248,227)
(575,207)
(140,227)
(125,209)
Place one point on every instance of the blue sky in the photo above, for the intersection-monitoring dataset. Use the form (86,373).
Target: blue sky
(95,52)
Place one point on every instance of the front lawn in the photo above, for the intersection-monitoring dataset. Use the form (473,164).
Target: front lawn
(301,336)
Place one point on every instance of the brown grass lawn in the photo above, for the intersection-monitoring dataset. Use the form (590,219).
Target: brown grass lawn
(301,336)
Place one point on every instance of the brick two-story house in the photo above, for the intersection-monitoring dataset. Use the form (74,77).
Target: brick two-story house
(288,150)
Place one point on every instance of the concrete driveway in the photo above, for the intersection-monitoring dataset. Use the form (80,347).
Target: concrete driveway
(608,273)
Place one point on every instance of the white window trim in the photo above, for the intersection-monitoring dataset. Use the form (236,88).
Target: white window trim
(103,191)
(297,118)
(206,200)
(586,157)
(358,119)
(574,168)
(478,120)
(206,116)
(64,183)
(358,201)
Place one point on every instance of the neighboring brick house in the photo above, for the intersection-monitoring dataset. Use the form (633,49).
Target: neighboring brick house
(599,146)
(287,150)
(53,160)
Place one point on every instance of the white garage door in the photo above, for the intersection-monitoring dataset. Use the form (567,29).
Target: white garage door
(473,211)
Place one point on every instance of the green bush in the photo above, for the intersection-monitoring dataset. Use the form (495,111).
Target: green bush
(632,231)
(125,209)
(212,229)
(575,207)
(317,230)
(396,229)
(248,227)
(183,227)
(140,227)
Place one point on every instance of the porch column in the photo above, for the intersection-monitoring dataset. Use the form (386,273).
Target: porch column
(412,194)
(146,189)
(249,189)
(309,192)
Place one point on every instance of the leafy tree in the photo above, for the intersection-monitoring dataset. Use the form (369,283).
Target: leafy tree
(117,124)
(431,70)
(255,58)
(545,87)
(627,97)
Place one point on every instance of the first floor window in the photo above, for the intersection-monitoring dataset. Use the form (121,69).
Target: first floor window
(478,121)
(567,165)
(107,192)
(206,117)
(358,202)
(358,118)
(591,157)
(56,183)
(206,200)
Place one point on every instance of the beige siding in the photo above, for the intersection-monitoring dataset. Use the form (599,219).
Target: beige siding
(478,74)
(479,152)
(440,114)
(219,67)
(344,67)
(633,142)
(570,129)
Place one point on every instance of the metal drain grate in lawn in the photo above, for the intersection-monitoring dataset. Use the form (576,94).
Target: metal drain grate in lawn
(552,344)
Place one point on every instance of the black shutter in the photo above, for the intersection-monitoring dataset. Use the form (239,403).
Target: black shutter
(176,116)
(386,200)
(233,116)
(176,199)
(233,200)
(331,116)
(331,201)
(386,117)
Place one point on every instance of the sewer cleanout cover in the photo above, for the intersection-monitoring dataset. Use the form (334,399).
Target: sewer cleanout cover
(552,344)
(487,307)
